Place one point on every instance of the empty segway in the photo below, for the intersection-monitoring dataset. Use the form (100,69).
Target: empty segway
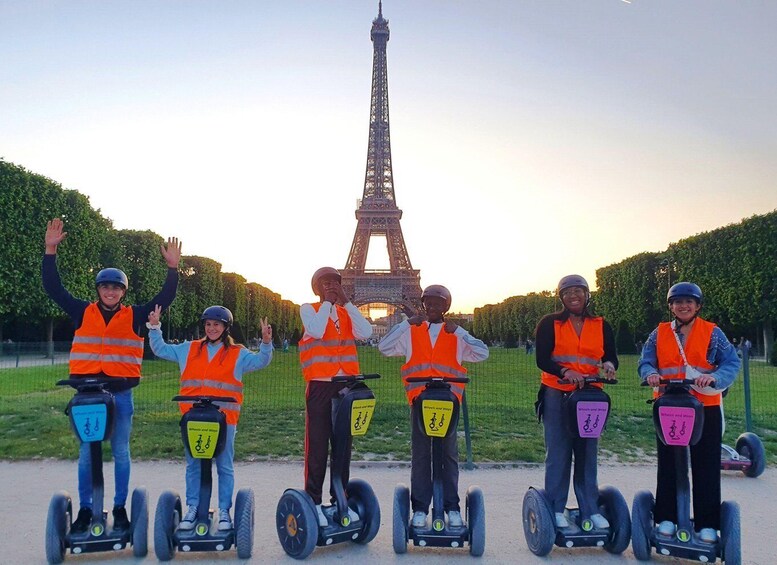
(587,412)
(437,413)
(204,431)
(296,518)
(678,418)
(91,413)
(748,454)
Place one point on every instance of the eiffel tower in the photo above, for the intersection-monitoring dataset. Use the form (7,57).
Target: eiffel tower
(377,213)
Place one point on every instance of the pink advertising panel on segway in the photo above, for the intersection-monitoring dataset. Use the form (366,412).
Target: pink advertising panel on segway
(591,416)
(676,424)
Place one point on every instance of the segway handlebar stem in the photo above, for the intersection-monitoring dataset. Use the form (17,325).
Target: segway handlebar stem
(351,378)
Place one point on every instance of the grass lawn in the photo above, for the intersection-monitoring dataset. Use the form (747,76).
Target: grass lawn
(500,404)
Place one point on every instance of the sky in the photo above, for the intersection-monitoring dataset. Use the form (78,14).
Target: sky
(530,139)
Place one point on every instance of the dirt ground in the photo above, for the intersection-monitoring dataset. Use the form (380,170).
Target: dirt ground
(28,487)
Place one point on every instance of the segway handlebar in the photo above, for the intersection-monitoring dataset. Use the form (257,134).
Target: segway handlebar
(438,379)
(92,383)
(203,398)
(676,382)
(351,378)
(591,380)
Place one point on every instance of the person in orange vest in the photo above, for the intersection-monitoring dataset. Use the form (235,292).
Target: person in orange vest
(327,349)
(570,345)
(432,346)
(213,366)
(713,361)
(107,343)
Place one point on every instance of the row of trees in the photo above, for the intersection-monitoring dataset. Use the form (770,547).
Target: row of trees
(28,201)
(734,265)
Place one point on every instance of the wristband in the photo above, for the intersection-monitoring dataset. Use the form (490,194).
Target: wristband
(157,326)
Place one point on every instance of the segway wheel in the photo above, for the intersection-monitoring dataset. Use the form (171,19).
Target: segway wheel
(139,522)
(476,521)
(642,524)
(401,518)
(615,509)
(244,523)
(166,520)
(730,533)
(297,523)
(750,445)
(362,499)
(57,523)
(538,523)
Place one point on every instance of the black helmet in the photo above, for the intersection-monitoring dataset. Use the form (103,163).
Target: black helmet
(112,276)
(321,273)
(439,291)
(218,313)
(571,280)
(685,290)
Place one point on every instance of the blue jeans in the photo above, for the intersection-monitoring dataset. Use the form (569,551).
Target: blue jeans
(122,427)
(226,471)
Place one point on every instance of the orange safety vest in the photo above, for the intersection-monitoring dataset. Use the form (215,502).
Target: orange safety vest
(333,353)
(432,361)
(212,378)
(579,353)
(670,362)
(115,350)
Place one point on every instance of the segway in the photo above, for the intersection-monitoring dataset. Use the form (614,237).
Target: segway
(91,412)
(437,413)
(296,517)
(678,418)
(204,434)
(748,455)
(586,412)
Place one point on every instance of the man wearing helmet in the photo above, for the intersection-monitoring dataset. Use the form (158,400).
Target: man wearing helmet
(327,349)
(571,344)
(690,347)
(432,346)
(107,343)
(213,366)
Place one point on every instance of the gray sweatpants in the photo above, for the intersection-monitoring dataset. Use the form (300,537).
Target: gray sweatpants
(559,448)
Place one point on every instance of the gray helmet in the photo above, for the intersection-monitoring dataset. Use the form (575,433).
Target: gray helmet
(685,290)
(572,280)
(112,276)
(321,273)
(439,291)
(218,313)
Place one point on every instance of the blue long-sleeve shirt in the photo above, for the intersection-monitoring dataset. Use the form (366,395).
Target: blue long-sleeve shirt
(720,354)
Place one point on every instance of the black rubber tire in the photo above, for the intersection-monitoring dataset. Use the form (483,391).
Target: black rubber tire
(539,525)
(730,533)
(613,506)
(166,520)
(57,525)
(244,523)
(750,445)
(401,518)
(476,521)
(362,499)
(139,522)
(642,524)
(296,521)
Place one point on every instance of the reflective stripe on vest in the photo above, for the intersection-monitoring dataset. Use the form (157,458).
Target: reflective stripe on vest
(335,353)
(115,350)
(581,353)
(670,361)
(215,377)
(426,360)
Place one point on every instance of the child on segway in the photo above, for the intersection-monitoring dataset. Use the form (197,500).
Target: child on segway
(212,366)
(690,347)
(435,347)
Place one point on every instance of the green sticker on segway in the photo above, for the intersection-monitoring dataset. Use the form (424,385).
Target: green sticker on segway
(202,437)
(587,525)
(97,530)
(438,525)
(437,417)
(202,529)
(361,416)
(345,521)
(683,535)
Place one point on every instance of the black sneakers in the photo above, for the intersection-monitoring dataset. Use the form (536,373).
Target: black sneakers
(120,520)
(81,524)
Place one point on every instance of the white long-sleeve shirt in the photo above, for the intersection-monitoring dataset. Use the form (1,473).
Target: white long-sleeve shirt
(398,342)
(315,322)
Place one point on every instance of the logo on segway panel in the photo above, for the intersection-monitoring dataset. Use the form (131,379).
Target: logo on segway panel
(438,525)
(684,535)
(89,420)
(291,525)
(202,529)
(202,437)
(591,416)
(345,520)
(97,529)
(587,525)
(676,424)
(361,416)
(437,417)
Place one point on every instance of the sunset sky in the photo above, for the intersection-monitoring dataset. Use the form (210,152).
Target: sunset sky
(530,140)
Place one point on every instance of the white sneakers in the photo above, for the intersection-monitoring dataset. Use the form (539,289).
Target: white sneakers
(600,522)
(666,528)
(225,522)
(454,519)
(561,520)
(708,535)
(189,518)
(419,519)
(322,521)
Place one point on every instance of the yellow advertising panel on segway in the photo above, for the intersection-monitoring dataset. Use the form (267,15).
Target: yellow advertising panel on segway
(437,415)
(202,438)
(361,416)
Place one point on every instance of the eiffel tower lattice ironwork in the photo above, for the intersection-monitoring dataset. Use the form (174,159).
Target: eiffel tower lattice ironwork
(377,213)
